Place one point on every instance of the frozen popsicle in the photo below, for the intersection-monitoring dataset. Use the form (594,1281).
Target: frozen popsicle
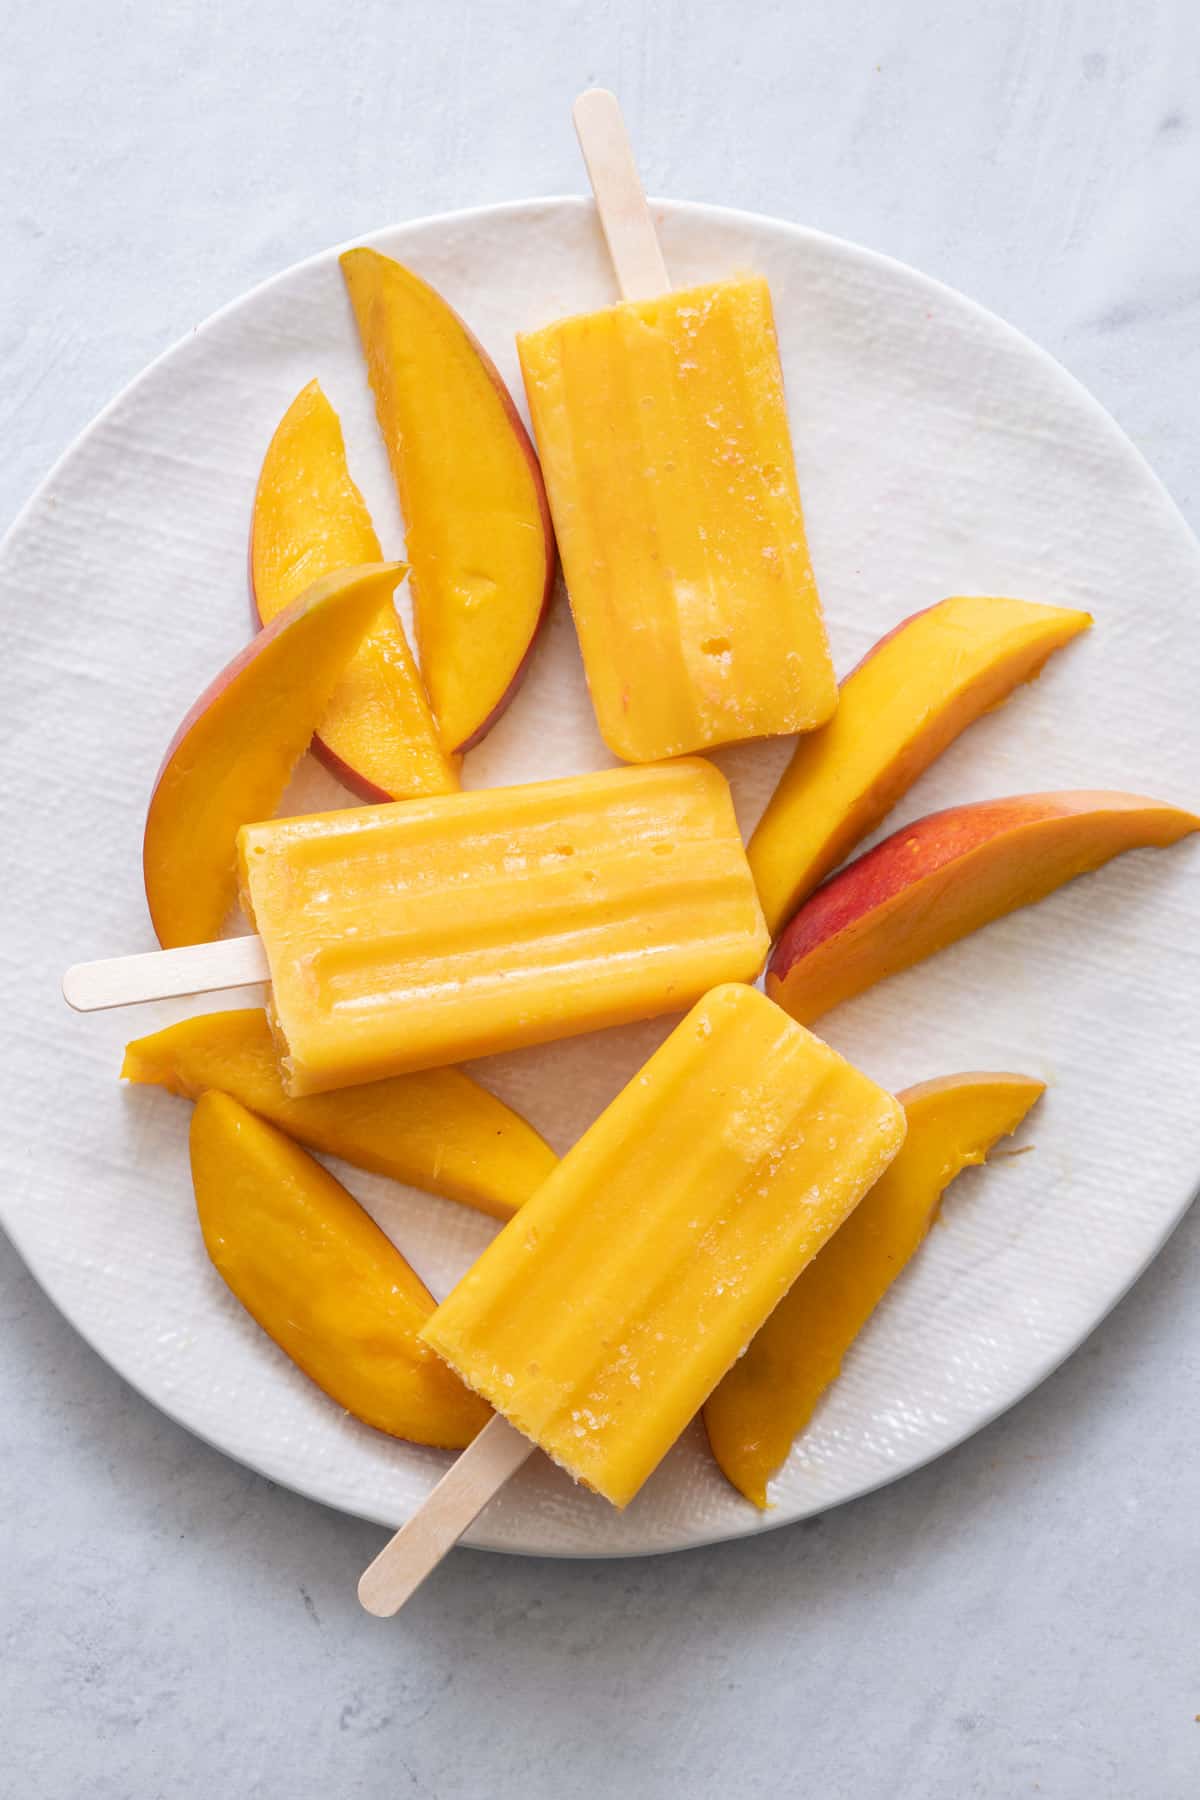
(605,1313)
(607,1310)
(664,442)
(404,937)
(409,936)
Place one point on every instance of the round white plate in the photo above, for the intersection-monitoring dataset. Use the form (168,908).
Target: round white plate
(939,453)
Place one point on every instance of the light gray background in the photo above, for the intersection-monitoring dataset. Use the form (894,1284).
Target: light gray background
(1021,1617)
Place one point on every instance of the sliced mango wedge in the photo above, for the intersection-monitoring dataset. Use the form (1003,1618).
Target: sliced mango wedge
(230,760)
(769,1395)
(948,874)
(378,734)
(320,1277)
(477,524)
(436,1130)
(907,700)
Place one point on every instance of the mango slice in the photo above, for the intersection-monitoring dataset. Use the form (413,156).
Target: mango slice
(320,1277)
(477,524)
(906,702)
(943,876)
(230,760)
(377,734)
(768,1396)
(437,1130)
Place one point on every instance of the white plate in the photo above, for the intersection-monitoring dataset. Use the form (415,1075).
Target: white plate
(939,453)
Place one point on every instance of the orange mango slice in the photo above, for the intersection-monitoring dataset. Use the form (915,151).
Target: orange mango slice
(315,1271)
(906,702)
(377,734)
(477,524)
(936,880)
(230,760)
(769,1395)
(437,1130)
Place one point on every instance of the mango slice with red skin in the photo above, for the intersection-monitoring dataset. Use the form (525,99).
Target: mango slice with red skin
(231,758)
(943,876)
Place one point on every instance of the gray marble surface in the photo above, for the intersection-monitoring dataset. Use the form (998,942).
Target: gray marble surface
(1018,1618)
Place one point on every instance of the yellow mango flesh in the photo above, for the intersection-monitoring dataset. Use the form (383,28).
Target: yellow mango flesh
(436,1130)
(230,760)
(320,1277)
(898,710)
(377,734)
(477,531)
(946,875)
(768,1397)
(406,937)
(665,446)
(605,1313)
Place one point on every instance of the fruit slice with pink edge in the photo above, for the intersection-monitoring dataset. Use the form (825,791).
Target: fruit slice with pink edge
(947,874)
(230,760)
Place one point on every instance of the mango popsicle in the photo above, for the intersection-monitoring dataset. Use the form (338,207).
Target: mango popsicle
(608,1309)
(664,443)
(408,936)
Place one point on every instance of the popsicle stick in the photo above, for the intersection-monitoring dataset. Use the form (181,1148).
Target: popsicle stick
(164,974)
(625,217)
(436,1526)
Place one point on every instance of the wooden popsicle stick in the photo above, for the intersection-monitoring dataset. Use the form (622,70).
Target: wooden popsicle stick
(438,1523)
(164,974)
(620,200)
